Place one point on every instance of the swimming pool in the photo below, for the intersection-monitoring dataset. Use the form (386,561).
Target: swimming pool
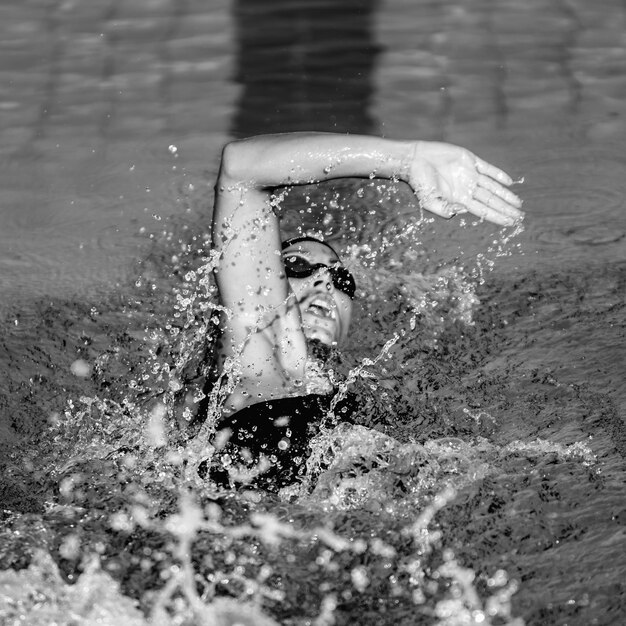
(502,456)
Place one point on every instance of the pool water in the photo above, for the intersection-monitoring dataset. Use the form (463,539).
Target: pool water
(484,479)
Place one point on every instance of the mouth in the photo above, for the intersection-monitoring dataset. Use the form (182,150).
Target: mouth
(322,307)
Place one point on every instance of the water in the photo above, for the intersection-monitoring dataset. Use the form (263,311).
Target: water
(484,480)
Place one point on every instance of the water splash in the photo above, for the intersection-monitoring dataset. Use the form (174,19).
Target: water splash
(38,596)
(207,546)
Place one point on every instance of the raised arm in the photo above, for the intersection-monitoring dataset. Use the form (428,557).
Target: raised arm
(300,158)
(447,179)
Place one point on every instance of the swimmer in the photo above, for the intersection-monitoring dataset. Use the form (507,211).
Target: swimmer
(287,303)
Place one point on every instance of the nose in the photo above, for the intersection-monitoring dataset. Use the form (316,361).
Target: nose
(324,279)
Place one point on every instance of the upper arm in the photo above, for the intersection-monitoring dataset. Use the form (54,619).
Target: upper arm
(250,272)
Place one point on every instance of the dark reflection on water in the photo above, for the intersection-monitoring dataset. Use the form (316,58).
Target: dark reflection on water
(304,66)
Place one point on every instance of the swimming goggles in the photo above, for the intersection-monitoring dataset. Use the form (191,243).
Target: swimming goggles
(299,267)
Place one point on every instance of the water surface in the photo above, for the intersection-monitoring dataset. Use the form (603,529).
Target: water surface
(501,460)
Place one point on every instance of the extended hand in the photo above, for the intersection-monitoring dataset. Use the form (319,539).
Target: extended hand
(449,180)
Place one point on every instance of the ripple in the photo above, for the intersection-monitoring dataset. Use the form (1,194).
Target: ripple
(597,235)
(566,182)
(575,197)
(56,263)
(586,235)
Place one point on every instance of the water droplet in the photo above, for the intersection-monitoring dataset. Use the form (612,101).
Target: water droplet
(80,368)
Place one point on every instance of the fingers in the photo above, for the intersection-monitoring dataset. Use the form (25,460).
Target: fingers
(439,206)
(491,200)
(479,188)
(497,189)
(502,215)
(507,205)
(484,205)
(493,172)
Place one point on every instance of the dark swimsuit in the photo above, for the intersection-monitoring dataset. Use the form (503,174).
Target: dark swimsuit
(280,431)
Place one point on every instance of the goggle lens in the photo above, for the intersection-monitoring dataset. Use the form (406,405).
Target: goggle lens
(299,267)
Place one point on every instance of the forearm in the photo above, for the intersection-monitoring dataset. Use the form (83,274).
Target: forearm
(447,179)
(298,158)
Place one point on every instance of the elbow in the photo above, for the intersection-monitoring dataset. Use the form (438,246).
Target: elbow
(233,165)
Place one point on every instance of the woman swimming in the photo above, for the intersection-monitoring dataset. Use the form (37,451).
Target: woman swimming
(285,301)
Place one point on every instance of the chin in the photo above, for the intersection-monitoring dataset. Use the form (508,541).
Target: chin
(325,332)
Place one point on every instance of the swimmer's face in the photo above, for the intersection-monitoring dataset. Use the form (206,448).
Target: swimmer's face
(326,310)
